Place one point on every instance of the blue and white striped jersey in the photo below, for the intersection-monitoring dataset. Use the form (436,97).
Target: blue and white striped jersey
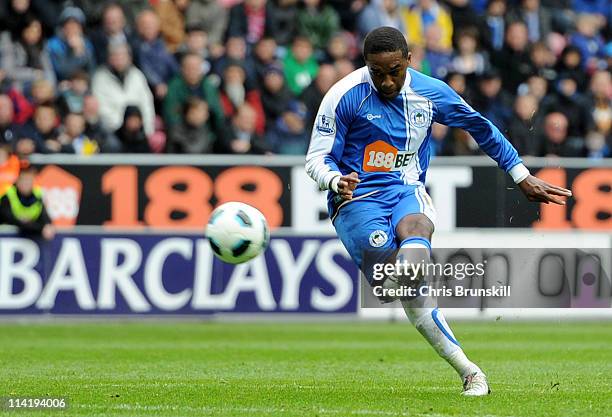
(386,141)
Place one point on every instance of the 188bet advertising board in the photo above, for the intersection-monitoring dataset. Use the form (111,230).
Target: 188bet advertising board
(181,193)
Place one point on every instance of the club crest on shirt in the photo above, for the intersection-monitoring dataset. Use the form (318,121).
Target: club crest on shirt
(378,238)
(326,125)
(419,117)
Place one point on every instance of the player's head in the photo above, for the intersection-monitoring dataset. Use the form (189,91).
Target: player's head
(386,54)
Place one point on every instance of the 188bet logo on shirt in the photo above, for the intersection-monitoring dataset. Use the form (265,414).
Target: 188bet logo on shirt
(380,156)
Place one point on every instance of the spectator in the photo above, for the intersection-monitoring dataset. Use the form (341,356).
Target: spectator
(264,55)
(555,141)
(569,65)
(588,40)
(249,20)
(41,135)
(601,8)
(132,8)
(131,134)
(70,50)
(423,14)
(23,206)
(495,24)
(71,98)
(537,18)
(172,19)
(234,92)
(93,127)
(212,18)
(300,65)
(318,22)
(113,30)
(313,95)
(244,139)
(22,108)
(566,99)
(438,57)
(9,167)
(24,58)
(339,48)
(8,129)
(600,103)
(543,61)
(73,139)
(14,15)
(468,60)
(275,96)
(491,101)
(289,135)
(418,60)
(349,12)
(536,86)
(192,135)
(513,60)
(155,61)
(119,84)
(457,82)
(463,13)
(235,50)
(282,25)
(192,82)
(196,42)
(379,13)
(597,146)
(43,91)
(344,67)
(521,129)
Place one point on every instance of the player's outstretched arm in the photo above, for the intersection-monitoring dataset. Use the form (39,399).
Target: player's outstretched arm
(538,190)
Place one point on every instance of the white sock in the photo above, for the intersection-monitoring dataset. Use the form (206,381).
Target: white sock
(430,322)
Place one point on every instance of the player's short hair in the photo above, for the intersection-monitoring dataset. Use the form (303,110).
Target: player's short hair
(385,39)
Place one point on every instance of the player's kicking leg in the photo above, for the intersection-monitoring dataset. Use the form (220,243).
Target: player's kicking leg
(415,232)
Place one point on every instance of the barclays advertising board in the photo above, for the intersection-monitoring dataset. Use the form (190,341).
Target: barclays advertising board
(157,274)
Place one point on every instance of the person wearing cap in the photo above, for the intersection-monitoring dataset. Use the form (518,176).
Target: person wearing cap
(22,205)
(69,49)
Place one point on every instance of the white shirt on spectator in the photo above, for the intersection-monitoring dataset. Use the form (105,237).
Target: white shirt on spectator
(114,96)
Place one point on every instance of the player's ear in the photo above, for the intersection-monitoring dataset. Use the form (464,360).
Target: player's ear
(409,58)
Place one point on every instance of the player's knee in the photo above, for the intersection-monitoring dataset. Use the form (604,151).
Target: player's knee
(415,225)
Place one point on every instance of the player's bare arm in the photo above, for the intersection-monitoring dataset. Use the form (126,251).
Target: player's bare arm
(538,190)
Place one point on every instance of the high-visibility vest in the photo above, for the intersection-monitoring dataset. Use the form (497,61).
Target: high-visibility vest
(23,213)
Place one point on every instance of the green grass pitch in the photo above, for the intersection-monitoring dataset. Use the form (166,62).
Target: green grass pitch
(370,369)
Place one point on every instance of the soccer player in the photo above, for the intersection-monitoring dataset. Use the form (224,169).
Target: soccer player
(369,147)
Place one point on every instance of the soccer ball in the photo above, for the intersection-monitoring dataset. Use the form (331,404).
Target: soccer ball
(237,232)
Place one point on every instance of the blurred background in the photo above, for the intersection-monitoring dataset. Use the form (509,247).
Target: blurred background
(123,124)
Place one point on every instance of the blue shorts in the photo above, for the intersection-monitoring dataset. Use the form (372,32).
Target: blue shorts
(368,221)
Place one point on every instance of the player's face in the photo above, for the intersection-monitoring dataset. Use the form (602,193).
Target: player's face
(388,72)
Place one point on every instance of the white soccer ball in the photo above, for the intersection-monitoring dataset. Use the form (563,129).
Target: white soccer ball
(237,232)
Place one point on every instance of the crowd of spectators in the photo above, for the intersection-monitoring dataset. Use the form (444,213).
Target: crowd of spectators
(208,76)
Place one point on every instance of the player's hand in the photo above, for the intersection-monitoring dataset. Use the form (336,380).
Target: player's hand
(537,190)
(347,185)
